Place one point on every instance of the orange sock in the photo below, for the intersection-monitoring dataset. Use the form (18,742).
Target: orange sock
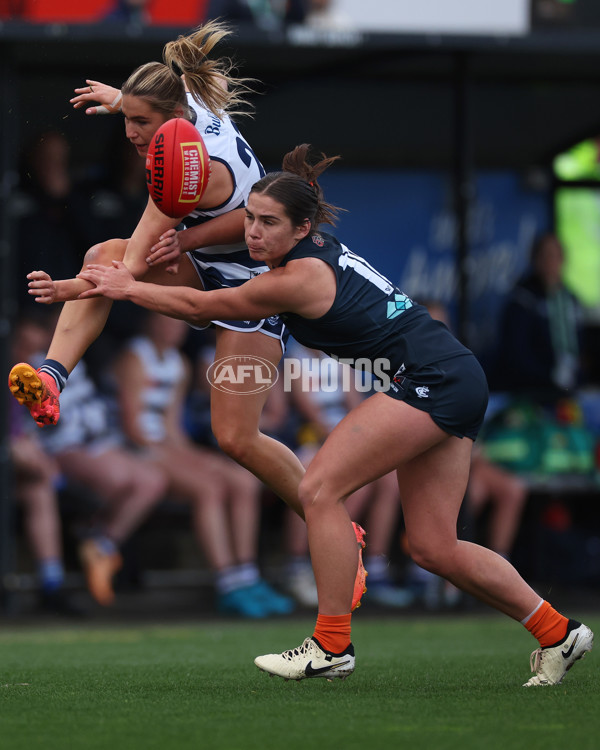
(333,632)
(547,625)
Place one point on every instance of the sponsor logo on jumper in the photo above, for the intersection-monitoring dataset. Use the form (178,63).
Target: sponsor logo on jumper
(422,391)
(215,128)
(398,305)
(318,240)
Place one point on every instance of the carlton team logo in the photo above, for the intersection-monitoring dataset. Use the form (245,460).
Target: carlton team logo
(242,374)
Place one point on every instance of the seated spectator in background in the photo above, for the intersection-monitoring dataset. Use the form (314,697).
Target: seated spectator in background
(36,476)
(504,493)
(153,380)
(539,352)
(265,14)
(90,453)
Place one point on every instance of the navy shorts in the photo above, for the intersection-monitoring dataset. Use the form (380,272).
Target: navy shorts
(272,326)
(453,392)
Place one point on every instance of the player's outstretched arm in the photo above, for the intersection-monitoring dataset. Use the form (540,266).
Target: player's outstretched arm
(108,98)
(306,287)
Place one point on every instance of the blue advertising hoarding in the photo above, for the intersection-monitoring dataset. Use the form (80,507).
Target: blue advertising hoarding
(404,224)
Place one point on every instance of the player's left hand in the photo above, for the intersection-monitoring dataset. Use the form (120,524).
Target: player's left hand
(167,250)
(42,287)
(108,97)
(109,281)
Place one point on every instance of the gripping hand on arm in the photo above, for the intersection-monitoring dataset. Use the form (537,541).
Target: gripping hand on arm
(225,229)
(108,97)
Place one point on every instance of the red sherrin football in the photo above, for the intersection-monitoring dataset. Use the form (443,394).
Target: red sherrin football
(177,168)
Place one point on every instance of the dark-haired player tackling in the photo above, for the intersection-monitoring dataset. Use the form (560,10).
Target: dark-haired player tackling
(422,424)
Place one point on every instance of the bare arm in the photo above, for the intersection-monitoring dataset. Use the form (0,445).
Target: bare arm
(152,224)
(306,287)
(225,229)
(46,291)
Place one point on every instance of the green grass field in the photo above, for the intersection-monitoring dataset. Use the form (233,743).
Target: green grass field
(428,682)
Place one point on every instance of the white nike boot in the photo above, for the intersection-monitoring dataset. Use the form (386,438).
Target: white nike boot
(550,664)
(308,660)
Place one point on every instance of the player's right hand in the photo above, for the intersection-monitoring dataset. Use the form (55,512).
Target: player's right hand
(41,287)
(109,98)
(167,250)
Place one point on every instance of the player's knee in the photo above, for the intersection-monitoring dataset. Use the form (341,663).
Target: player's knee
(428,556)
(313,494)
(105,252)
(233,443)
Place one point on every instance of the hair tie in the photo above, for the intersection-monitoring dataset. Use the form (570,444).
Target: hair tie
(312,184)
(176,69)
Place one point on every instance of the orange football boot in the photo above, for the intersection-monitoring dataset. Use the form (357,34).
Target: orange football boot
(37,391)
(360,583)
(99,568)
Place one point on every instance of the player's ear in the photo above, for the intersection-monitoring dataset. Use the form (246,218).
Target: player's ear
(304,229)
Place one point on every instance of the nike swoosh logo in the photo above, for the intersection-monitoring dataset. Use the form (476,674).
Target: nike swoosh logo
(569,651)
(310,672)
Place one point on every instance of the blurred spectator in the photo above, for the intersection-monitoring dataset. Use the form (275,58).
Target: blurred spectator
(265,14)
(153,379)
(539,353)
(122,488)
(36,478)
(127,487)
(504,493)
(55,225)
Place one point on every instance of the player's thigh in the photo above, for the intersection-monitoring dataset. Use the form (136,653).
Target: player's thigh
(185,276)
(378,436)
(242,404)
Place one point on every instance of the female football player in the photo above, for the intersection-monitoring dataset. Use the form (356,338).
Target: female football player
(190,85)
(422,423)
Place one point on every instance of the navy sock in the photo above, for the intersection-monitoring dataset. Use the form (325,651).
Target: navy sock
(57,371)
